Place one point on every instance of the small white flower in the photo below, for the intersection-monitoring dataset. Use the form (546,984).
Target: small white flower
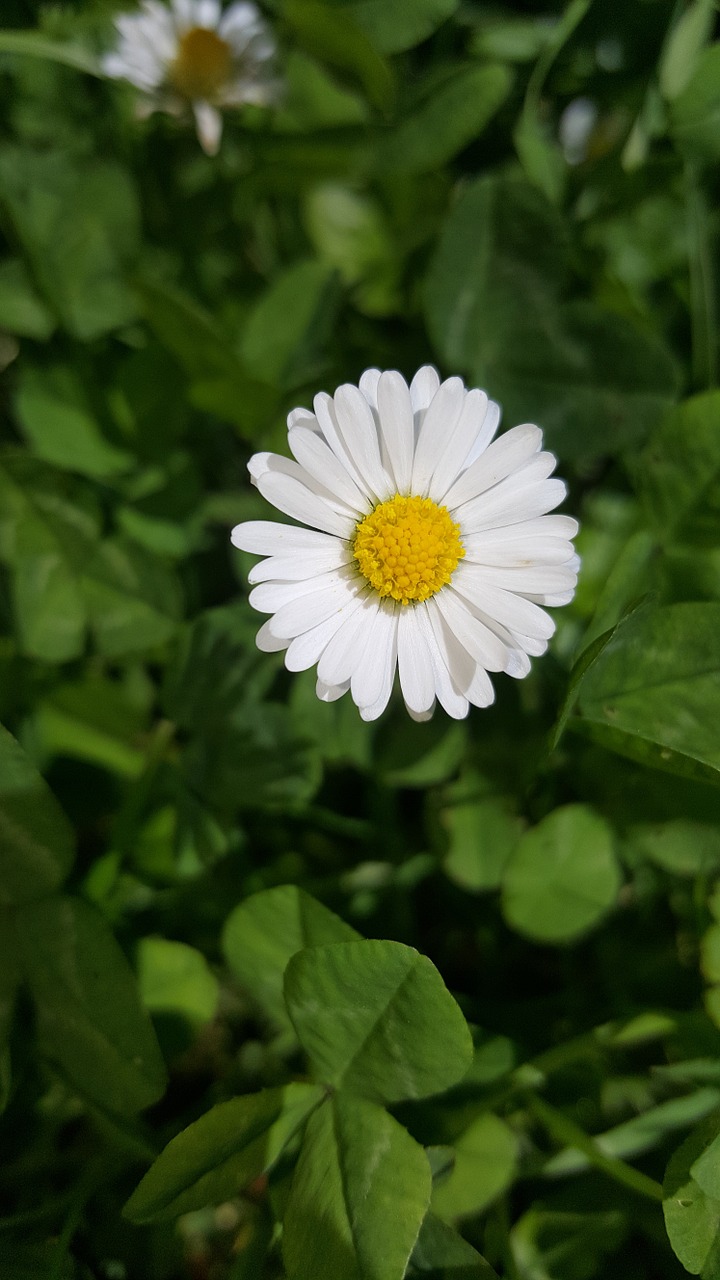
(190,52)
(430,548)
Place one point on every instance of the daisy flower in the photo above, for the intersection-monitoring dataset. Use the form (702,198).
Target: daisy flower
(192,53)
(430,551)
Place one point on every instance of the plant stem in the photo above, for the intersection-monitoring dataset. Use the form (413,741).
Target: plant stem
(565,1131)
(702,284)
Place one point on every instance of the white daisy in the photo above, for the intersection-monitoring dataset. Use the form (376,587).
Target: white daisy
(191,52)
(430,549)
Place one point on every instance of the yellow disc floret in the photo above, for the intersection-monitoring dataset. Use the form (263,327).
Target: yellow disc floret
(408,548)
(202,65)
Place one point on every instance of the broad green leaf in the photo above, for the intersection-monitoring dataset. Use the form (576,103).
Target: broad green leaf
(450,119)
(692,1217)
(540,155)
(710,953)
(79,227)
(680,463)
(33,44)
(89,1018)
(330,34)
(482,834)
(487,273)
(47,534)
(683,47)
(695,113)
(9,985)
(286,323)
(133,599)
(494,310)
(654,693)
(641,1133)
(263,933)
(359,1195)
(376,1018)
(508,37)
(485,1162)
(441,1254)
(683,847)
(176,978)
(219,1155)
(394,27)
(94,720)
(350,231)
(36,839)
(22,310)
(59,426)
(563,876)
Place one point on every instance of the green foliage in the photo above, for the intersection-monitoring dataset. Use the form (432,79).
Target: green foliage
(395,999)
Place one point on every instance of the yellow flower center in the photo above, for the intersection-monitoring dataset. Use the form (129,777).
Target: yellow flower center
(202,65)
(408,548)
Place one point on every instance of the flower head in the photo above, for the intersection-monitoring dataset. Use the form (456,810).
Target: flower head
(190,52)
(429,552)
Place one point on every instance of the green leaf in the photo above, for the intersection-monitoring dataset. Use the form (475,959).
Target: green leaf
(641,1133)
(286,322)
(376,1018)
(566,1243)
(449,120)
(36,839)
(89,1018)
(57,423)
(133,599)
(653,693)
(79,226)
(33,44)
(683,47)
(482,834)
(350,231)
(485,1162)
(683,847)
(692,1217)
(563,876)
(176,978)
(441,1254)
(263,933)
(680,463)
(359,1195)
(395,27)
(22,310)
(695,113)
(330,35)
(215,1158)
(494,309)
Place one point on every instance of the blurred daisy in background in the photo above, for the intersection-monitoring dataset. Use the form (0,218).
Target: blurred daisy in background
(192,53)
(430,551)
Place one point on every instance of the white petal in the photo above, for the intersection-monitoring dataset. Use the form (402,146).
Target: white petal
(372,680)
(414,666)
(423,387)
(310,610)
(455,656)
(501,459)
(359,433)
(542,579)
(481,692)
(438,427)
(291,496)
(518,664)
(510,502)
(302,418)
(551,600)
(510,610)
(295,568)
(324,407)
(239,19)
(315,455)
(481,643)
(344,652)
(502,547)
(207,14)
(491,422)
(469,427)
(396,424)
(270,596)
(369,386)
(268,538)
(329,692)
(267,642)
(446,691)
(209,127)
(305,650)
